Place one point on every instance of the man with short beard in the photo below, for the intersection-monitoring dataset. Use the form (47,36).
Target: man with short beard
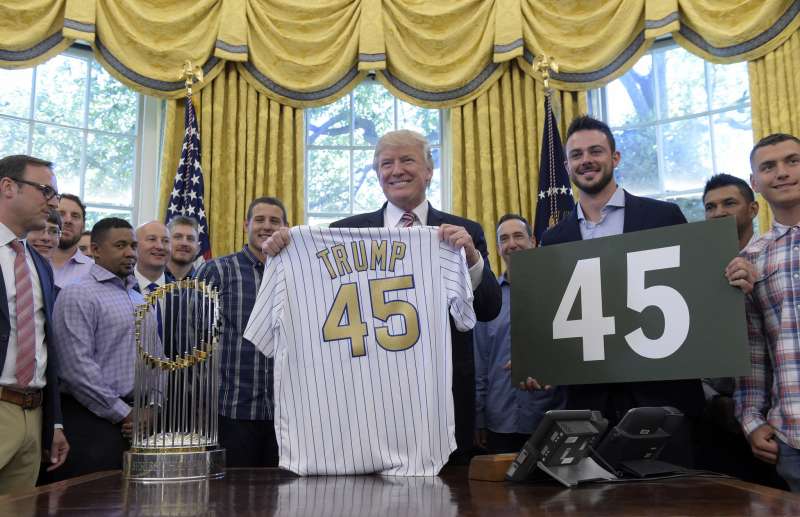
(69,264)
(604,209)
(185,245)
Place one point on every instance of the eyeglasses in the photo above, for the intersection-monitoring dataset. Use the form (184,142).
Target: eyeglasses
(47,191)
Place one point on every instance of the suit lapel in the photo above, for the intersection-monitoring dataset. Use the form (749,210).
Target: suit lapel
(3,299)
(435,217)
(632,221)
(375,219)
(47,288)
(572,228)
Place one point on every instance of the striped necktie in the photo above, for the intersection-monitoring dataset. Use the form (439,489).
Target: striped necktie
(407,221)
(26,326)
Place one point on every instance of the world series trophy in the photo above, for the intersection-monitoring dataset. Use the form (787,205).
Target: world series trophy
(176,387)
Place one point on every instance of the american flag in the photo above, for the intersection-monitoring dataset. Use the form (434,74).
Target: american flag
(555,194)
(187,192)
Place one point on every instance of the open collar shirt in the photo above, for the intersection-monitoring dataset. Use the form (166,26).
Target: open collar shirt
(94,322)
(245,373)
(771,393)
(500,406)
(612,219)
(74,269)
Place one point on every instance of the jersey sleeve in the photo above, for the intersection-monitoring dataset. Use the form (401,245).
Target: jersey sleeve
(267,316)
(457,286)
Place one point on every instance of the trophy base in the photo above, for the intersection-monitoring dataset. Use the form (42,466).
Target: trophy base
(173,466)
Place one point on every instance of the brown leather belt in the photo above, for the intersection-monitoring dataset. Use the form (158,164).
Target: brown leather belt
(24,399)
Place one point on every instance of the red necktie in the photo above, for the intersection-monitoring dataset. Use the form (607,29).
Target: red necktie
(407,221)
(26,327)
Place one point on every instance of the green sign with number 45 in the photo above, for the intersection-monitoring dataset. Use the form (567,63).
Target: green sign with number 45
(643,306)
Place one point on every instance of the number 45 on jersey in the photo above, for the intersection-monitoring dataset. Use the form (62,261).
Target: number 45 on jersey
(651,305)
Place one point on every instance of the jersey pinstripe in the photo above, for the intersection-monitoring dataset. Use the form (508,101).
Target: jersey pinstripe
(357,322)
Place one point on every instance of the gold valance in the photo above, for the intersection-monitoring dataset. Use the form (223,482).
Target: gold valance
(429,52)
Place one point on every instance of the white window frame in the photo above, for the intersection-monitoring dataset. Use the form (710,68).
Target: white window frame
(147,144)
(598,106)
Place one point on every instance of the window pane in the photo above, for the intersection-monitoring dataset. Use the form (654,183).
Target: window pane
(328,181)
(13,137)
(62,147)
(687,154)
(638,167)
(421,120)
(733,138)
(94,214)
(329,125)
(729,85)
(113,106)
(367,192)
(109,169)
(631,98)
(61,90)
(691,206)
(374,107)
(683,89)
(15,92)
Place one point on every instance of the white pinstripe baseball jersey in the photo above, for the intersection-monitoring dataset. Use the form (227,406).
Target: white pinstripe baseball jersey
(357,321)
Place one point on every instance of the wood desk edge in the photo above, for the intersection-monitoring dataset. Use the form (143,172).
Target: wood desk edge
(58,485)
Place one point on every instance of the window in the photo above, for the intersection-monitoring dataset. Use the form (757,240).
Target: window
(70,111)
(340,142)
(677,121)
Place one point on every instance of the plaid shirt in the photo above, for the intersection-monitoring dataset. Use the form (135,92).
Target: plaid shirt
(245,373)
(771,394)
(93,322)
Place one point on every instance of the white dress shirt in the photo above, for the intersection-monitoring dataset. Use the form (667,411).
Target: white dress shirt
(7,256)
(144,281)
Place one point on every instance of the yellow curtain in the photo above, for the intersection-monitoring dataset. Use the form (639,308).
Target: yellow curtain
(496,146)
(251,146)
(775,94)
(431,52)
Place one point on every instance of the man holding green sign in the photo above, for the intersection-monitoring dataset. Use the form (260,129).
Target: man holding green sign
(606,210)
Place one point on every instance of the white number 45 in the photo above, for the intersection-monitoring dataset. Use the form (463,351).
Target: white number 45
(592,326)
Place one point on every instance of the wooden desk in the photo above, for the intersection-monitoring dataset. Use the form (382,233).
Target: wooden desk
(275,492)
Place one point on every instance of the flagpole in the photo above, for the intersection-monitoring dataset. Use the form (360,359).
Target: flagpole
(555,196)
(188,192)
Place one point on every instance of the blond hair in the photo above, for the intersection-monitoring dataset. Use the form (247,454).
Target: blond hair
(399,138)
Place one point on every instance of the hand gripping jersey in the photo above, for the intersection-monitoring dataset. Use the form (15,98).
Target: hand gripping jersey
(357,322)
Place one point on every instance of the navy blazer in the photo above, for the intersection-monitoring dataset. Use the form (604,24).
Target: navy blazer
(52,399)
(641,213)
(487,303)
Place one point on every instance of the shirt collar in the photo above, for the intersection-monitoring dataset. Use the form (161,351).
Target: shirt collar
(503,279)
(617,200)
(143,281)
(102,274)
(392,214)
(251,256)
(6,235)
(80,258)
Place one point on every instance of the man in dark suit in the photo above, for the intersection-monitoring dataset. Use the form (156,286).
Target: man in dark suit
(605,209)
(404,165)
(28,380)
